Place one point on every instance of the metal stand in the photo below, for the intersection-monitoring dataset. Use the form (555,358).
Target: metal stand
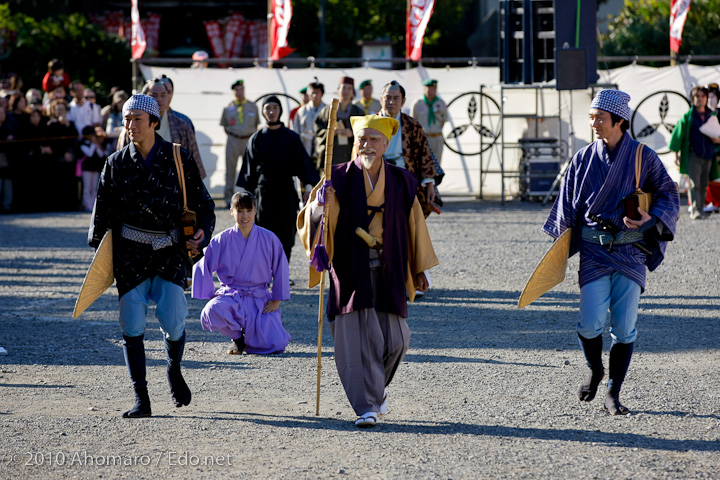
(536,114)
(571,136)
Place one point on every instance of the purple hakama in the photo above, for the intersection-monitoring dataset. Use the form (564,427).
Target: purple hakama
(246,268)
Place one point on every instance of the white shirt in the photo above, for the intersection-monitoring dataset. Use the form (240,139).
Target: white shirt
(83,115)
(164,130)
(394,151)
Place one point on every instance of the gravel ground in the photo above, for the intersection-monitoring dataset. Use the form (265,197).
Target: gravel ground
(486,390)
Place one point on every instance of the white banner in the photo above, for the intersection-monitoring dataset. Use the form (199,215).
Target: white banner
(474,121)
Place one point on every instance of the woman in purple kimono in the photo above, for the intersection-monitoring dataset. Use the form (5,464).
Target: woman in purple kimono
(247,259)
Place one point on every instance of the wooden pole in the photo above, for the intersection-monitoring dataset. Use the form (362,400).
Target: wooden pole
(329,144)
(270,15)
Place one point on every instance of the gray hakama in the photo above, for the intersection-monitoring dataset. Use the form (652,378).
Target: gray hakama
(369,347)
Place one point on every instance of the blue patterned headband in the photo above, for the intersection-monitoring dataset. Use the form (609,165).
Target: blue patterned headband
(613,101)
(144,103)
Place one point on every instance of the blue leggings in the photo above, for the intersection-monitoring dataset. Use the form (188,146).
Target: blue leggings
(617,293)
(172,308)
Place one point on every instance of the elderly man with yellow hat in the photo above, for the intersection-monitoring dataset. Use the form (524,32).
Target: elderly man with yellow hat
(370,276)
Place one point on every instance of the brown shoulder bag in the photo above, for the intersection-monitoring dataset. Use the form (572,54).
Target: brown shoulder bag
(188,219)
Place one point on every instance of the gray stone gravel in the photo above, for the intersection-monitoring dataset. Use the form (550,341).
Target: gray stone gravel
(486,390)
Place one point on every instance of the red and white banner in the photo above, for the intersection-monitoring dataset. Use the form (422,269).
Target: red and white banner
(137,39)
(417,21)
(214,33)
(232,32)
(279,27)
(152,31)
(678,14)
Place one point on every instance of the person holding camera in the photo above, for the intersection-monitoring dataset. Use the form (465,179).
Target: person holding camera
(140,199)
(617,240)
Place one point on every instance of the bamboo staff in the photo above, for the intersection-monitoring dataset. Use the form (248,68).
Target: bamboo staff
(329,144)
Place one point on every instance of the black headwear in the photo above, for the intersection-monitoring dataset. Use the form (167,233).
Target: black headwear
(272,99)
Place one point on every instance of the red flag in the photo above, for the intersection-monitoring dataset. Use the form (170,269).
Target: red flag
(678,14)
(279,27)
(417,22)
(137,40)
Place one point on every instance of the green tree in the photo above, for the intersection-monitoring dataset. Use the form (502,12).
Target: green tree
(90,55)
(643,28)
(348,21)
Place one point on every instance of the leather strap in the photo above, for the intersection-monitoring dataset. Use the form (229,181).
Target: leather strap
(181,173)
(638,165)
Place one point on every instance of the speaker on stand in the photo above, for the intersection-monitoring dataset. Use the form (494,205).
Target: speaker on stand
(571,74)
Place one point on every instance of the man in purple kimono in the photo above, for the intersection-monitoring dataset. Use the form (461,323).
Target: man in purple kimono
(247,259)
(614,249)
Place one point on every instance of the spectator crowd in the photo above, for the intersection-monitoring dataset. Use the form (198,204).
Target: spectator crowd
(54,140)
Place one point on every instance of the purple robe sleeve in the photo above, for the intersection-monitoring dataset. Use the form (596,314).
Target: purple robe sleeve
(202,285)
(665,205)
(566,209)
(280,271)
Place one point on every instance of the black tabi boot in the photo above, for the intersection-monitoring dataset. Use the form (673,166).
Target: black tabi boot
(178,388)
(620,355)
(592,348)
(134,352)
(238,346)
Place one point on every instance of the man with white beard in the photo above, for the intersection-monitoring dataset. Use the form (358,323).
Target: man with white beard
(367,306)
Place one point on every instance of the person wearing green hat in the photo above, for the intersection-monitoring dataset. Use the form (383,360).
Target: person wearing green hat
(304,124)
(240,119)
(304,98)
(366,102)
(431,112)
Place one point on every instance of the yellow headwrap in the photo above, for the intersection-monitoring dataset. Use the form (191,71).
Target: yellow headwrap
(385,125)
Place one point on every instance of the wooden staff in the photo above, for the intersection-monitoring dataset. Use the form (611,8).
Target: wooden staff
(329,144)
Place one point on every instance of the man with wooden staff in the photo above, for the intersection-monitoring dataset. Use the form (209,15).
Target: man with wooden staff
(616,239)
(379,248)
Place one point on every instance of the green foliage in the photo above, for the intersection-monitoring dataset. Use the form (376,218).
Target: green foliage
(348,21)
(643,28)
(89,54)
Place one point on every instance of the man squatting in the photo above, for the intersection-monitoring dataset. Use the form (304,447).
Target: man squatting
(367,305)
(612,265)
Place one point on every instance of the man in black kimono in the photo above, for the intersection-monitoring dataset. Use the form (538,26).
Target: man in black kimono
(274,155)
(139,198)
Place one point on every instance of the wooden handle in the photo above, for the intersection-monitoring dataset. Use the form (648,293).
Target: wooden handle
(367,238)
(330,141)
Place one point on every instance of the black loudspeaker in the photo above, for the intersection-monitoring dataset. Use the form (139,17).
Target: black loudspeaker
(569,34)
(533,32)
(571,69)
